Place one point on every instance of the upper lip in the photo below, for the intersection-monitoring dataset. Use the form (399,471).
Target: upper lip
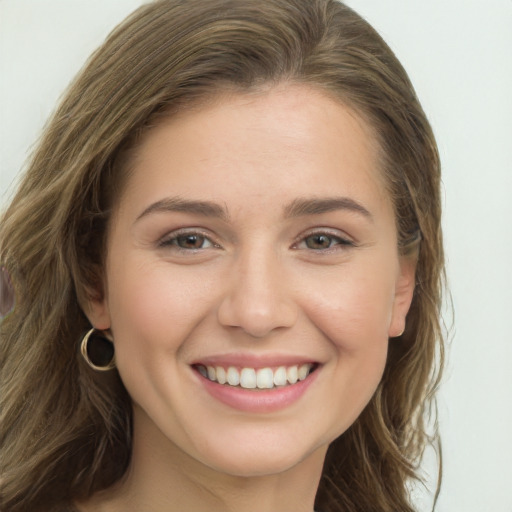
(254,360)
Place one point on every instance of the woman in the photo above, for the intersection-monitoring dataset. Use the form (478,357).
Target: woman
(227,262)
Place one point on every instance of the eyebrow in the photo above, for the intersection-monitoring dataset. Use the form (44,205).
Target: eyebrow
(178,204)
(317,206)
(297,208)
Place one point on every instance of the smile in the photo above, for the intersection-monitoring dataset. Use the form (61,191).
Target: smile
(257,378)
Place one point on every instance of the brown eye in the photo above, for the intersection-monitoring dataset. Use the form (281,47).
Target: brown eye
(318,242)
(323,241)
(190,241)
(187,241)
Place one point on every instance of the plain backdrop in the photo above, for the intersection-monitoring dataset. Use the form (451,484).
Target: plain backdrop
(459,56)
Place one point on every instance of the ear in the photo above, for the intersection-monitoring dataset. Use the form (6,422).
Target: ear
(97,311)
(404,291)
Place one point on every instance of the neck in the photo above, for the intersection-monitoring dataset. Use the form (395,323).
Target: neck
(162,478)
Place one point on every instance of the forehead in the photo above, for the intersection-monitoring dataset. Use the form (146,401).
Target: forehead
(289,139)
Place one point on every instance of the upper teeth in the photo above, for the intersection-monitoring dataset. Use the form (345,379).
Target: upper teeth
(251,378)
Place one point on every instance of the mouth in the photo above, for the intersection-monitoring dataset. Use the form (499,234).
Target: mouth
(256,378)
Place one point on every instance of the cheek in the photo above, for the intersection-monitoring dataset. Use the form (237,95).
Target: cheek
(354,312)
(153,308)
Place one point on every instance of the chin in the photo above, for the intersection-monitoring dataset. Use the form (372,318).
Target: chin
(266,455)
(264,463)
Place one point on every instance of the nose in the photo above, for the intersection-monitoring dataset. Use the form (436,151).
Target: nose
(257,299)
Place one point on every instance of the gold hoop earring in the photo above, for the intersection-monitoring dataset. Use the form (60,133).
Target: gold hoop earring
(97,349)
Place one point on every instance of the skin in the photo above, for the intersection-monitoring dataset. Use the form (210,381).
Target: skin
(259,280)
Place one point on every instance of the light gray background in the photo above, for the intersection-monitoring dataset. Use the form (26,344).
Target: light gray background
(459,56)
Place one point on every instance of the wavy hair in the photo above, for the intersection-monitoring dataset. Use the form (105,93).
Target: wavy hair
(66,430)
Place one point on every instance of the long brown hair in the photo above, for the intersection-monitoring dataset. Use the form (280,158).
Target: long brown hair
(66,430)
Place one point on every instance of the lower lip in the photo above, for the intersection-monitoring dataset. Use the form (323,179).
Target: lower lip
(258,401)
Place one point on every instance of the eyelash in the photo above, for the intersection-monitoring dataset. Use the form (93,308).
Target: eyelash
(335,241)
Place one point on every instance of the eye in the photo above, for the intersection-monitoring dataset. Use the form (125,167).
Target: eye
(322,241)
(192,241)
(187,241)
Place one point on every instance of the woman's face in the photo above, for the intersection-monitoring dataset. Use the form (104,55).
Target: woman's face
(254,241)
